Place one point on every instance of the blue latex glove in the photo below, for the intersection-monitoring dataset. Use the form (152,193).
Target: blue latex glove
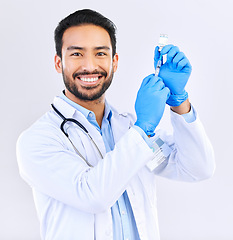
(150,103)
(175,73)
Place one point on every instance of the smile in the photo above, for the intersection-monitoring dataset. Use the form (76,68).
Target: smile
(88,79)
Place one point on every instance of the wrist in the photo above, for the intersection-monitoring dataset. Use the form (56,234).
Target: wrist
(176,100)
(183,108)
(147,128)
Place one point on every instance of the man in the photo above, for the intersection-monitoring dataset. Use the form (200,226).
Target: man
(101,184)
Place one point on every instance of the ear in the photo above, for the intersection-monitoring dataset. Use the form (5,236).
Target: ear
(58,63)
(115,62)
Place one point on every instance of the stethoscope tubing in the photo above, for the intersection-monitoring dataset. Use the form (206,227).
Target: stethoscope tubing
(65,120)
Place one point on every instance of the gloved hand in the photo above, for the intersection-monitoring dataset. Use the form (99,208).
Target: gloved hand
(175,73)
(150,103)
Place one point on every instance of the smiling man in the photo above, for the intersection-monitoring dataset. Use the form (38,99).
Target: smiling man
(87,63)
(92,170)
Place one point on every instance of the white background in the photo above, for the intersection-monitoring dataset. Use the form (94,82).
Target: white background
(203,31)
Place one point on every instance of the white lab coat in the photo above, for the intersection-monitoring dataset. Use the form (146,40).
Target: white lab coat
(74,201)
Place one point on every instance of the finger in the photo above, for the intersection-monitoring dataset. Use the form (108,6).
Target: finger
(166,49)
(183,64)
(156,56)
(156,53)
(166,92)
(153,81)
(157,86)
(146,80)
(172,53)
(179,56)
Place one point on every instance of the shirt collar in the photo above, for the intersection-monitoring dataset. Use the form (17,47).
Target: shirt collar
(87,113)
(107,111)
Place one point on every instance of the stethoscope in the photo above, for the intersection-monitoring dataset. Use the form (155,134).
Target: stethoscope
(65,120)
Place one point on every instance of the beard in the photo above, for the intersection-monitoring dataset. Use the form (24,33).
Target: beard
(90,94)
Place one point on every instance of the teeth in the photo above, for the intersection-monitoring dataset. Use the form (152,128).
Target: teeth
(89,79)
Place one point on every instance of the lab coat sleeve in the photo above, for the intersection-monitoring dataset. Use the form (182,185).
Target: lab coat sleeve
(48,166)
(192,156)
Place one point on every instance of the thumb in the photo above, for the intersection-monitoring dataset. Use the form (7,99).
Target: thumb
(166,92)
(156,56)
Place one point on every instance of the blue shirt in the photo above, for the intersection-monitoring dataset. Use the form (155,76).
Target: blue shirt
(124,226)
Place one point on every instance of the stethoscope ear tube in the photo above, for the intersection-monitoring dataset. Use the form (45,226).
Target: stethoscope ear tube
(57,112)
(65,120)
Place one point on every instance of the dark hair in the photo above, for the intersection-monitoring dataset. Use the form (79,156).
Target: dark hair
(82,17)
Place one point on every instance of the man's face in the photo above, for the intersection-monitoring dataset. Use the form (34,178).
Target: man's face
(87,64)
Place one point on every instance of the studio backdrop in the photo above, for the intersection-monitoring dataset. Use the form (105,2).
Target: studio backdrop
(202,29)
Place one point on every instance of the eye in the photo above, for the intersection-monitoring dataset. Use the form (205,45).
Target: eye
(77,54)
(101,54)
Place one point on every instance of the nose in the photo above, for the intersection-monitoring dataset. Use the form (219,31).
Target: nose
(89,63)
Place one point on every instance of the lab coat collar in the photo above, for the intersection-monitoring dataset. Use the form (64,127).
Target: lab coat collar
(70,112)
(78,107)
(86,112)
(120,122)
(66,109)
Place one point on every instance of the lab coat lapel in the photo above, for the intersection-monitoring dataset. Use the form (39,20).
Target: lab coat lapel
(120,124)
(93,132)
(69,112)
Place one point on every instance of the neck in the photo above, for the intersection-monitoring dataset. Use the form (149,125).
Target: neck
(96,106)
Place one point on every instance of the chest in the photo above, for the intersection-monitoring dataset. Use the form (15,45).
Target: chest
(94,145)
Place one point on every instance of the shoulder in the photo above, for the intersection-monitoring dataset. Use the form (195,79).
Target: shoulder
(45,129)
(123,115)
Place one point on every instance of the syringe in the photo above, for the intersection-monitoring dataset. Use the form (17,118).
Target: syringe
(163,39)
(158,66)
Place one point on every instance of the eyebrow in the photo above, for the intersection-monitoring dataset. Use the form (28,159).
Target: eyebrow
(102,47)
(75,47)
(82,48)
